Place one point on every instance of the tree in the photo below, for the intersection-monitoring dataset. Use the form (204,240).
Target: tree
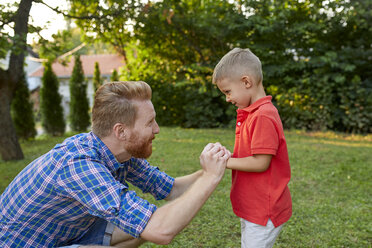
(22,113)
(188,32)
(79,105)
(14,44)
(318,80)
(107,21)
(10,78)
(50,103)
(178,44)
(97,80)
(114,76)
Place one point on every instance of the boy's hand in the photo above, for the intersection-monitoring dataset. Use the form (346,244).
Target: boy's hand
(227,152)
(213,160)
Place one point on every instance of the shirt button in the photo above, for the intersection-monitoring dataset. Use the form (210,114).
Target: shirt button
(239,123)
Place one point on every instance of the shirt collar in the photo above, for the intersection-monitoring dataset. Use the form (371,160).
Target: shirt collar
(251,108)
(108,157)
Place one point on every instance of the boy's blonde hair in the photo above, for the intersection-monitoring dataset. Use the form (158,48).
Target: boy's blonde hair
(113,103)
(237,63)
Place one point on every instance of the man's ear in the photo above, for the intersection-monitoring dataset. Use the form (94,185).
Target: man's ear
(120,131)
(247,81)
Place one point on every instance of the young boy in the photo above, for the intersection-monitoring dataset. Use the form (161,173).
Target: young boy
(260,165)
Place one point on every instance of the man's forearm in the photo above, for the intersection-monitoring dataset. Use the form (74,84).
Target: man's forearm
(171,218)
(182,184)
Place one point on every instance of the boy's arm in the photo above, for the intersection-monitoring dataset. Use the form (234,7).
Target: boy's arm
(255,163)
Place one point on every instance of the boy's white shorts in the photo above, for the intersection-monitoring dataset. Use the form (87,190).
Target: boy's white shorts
(257,236)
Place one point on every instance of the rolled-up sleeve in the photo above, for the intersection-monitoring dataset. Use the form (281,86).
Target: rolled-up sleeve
(149,178)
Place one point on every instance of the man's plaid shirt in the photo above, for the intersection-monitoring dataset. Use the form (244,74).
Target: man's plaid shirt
(58,196)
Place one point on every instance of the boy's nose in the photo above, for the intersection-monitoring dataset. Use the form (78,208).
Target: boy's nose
(228,99)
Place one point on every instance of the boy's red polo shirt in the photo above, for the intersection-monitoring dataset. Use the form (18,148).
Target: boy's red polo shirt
(256,197)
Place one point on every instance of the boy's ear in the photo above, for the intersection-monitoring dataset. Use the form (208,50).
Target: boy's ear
(247,81)
(120,131)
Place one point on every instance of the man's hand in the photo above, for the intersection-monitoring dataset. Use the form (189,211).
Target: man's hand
(213,159)
(170,219)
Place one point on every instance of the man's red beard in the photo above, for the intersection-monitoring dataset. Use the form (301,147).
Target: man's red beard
(139,148)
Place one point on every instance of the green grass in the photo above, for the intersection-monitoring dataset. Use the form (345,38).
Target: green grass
(331,187)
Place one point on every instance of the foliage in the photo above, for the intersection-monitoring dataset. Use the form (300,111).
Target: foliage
(79,105)
(180,96)
(106,20)
(318,80)
(114,75)
(189,32)
(12,16)
(330,187)
(50,103)
(22,113)
(62,42)
(97,80)
(65,41)
(8,40)
(179,42)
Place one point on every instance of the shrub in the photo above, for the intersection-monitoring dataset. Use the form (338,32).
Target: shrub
(22,114)
(79,104)
(50,103)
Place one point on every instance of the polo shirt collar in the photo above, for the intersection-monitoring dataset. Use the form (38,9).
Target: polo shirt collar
(251,108)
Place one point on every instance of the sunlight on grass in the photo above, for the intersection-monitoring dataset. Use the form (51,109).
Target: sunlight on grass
(334,135)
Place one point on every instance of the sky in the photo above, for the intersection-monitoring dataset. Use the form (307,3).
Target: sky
(42,16)
(45,17)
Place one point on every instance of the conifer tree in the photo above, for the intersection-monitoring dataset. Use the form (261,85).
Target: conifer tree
(50,103)
(79,104)
(97,81)
(22,113)
(114,76)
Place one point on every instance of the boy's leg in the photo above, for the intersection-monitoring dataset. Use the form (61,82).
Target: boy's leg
(257,236)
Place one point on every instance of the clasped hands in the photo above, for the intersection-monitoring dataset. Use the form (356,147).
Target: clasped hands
(213,159)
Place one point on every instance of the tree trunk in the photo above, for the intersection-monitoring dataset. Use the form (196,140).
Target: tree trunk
(9,145)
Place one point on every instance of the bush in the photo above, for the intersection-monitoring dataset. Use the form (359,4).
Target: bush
(182,95)
(22,114)
(50,103)
(79,104)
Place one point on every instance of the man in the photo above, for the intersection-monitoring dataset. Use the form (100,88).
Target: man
(77,193)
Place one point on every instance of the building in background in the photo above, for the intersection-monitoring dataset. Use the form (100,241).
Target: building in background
(107,63)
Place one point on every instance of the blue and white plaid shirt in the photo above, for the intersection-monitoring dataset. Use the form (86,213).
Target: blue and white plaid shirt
(58,196)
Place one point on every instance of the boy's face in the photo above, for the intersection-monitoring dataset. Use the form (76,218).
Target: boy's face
(237,91)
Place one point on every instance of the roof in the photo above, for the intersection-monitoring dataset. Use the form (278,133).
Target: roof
(107,63)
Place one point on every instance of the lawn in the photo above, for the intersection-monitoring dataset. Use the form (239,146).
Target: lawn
(331,187)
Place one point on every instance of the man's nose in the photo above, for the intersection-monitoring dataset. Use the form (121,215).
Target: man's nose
(156,128)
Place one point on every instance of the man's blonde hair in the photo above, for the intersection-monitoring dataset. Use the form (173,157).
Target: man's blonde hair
(113,103)
(237,63)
